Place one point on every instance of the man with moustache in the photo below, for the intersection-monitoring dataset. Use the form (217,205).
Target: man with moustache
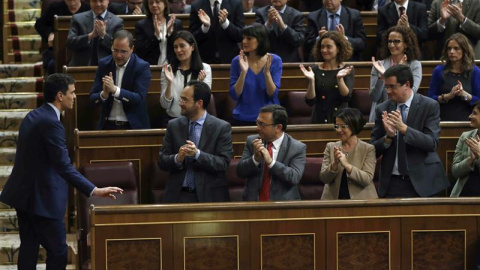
(405,134)
(272,162)
(196,150)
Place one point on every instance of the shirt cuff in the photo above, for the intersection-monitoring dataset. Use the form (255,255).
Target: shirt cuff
(205,29)
(440,26)
(91,193)
(175,159)
(271,164)
(197,154)
(117,93)
(225,24)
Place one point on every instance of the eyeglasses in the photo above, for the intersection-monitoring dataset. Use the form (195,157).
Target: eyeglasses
(183,100)
(344,126)
(392,86)
(394,41)
(119,51)
(261,124)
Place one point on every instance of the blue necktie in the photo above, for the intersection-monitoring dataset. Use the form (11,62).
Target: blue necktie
(190,174)
(333,23)
(402,153)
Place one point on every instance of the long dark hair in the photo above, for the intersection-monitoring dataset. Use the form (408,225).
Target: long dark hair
(196,62)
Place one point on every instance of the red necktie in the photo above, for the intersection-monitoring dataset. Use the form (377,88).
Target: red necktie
(265,191)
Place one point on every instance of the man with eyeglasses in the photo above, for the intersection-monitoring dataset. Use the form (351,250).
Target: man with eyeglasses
(131,7)
(272,162)
(90,35)
(120,87)
(405,134)
(196,150)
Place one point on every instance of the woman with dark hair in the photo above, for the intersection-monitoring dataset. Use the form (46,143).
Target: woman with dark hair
(466,161)
(348,165)
(456,84)
(330,82)
(187,65)
(153,34)
(399,47)
(254,76)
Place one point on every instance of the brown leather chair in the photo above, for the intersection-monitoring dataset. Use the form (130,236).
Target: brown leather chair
(158,183)
(361,100)
(236,185)
(211,109)
(120,174)
(310,187)
(298,111)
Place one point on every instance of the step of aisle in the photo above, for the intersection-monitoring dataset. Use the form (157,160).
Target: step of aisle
(21,85)
(19,101)
(11,119)
(22,15)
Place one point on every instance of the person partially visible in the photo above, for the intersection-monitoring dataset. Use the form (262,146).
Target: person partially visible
(448,17)
(44,26)
(120,87)
(272,162)
(335,17)
(196,150)
(405,134)
(130,7)
(185,66)
(179,6)
(90,35)
(153,35)
(38,185)
(466,162)
(399,47)
(286,29)
(456,84)
(349,164)
(248,6)
(330,82)
(255,76)
(309,6)
(217,27)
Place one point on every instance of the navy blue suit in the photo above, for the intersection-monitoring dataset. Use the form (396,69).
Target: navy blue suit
(133,93)
(38,187)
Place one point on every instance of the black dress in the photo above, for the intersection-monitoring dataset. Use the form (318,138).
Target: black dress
(456,109)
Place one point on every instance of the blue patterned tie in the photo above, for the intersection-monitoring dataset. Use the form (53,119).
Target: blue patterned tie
(333,23)
(402,153)
(190,174)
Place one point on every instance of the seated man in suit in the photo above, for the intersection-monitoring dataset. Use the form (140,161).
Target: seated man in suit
(335,17)
(285,27)
(121,85)
(406,135)
(196,150)
(272,162)
(90,34)
(38,185)
(131,7)
(217,28)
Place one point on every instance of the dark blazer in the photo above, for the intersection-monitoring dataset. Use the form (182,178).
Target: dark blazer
(217,39)
(42,171)
(121,8)
(286,173)
(210,167)
(135,83)
(286,43)
(421,141)
(417,19)
(350,19)
(77,41)
(146,43)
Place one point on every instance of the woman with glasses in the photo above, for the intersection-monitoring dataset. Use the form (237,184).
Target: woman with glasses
(456,83)
(348,165)
(399,47)
(153,34)
(330,82)
(187,65)
(254,76)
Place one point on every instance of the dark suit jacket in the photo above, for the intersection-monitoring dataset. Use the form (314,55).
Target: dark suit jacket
(135,83)
(217,39)
(146,43)
(77,41)
(351,21)
(417,19)
(42,171)
(121,8)
(286,43)
(421,141)
(286,172)
(210,167)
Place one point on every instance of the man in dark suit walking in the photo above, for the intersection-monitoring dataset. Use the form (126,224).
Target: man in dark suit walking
(196,150)
(406,135)
(121,85)
(286,29)
(217,27)
(38,185)
(273,162)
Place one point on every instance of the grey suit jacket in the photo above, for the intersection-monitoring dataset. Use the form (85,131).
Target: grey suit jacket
(77,40)
(210,167)
(471,28)
(360,181)
(421,141)
(460,168)
(285,173)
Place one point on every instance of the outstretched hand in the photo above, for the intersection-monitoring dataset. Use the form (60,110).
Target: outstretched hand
(107,192)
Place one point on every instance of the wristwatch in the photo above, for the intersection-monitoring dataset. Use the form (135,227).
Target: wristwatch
(465,97)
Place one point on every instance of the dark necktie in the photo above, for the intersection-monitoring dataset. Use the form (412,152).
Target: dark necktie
(216,8)
(95,42)
(333,23)
(402,10)
(402,154)
(190,174)
(265,191)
